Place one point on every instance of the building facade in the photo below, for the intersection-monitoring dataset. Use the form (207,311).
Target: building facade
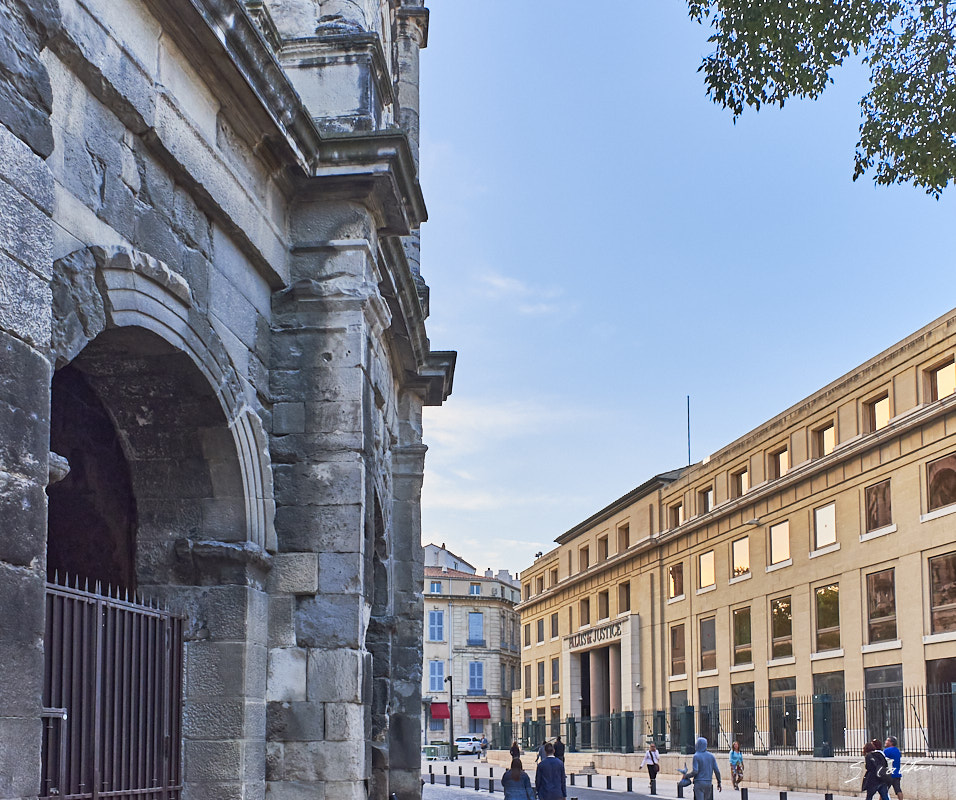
(471,636)
(214,366)
(805,566)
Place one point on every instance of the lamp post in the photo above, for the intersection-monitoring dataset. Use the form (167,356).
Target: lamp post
(451,717)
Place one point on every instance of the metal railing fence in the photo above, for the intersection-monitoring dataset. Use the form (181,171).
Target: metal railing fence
(923,719)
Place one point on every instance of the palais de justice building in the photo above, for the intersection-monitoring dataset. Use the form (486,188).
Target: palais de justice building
(814,556)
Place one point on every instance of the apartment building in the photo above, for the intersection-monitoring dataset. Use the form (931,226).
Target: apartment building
(813,557)
(471,637)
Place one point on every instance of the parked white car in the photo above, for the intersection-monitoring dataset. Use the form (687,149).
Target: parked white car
(468,744)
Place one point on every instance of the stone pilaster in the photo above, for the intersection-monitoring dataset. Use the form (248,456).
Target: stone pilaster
(328,443)
(408,463)
(26,197)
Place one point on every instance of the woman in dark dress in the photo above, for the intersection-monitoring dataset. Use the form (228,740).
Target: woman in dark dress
(876,768)
(516,784)
(515,749)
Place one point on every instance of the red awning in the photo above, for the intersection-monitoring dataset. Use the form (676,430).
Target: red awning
(440,710)
(479,711)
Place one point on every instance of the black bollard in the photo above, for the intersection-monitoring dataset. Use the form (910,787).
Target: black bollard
(653,785)
(783,796)
(477,782)
(828,796)
(447,779)
(432,776)
(744,793)
(608,781)
(680,790)
(476,771)
(446,769)
(461,784)
(572,779)
(630,784)
(491,786)
(589,781)
(459,770)
(429,769)
(491,772)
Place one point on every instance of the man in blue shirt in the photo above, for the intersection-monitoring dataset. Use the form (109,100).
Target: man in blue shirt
(703,771)
(549,780)
(892,752)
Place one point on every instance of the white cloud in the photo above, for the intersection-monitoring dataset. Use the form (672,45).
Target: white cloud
(528,298)
(469,426)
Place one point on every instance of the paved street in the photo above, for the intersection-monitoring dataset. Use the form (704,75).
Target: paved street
(666,785)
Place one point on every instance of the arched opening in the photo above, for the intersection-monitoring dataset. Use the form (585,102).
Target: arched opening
(152,460)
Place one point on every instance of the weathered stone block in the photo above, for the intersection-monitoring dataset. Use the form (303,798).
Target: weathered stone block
(295,573)
(22,509)
(293,790)
(25,232)
(288,418)
(345,722)
(326,483)
(282,621)
(329,621)
(325,761)
(287,674)
(335,676)
(20,741)
(316,528)
(214,719)
(340,573)
(212,760)
(215,669)
(295,722)
(22,598)
(25,171)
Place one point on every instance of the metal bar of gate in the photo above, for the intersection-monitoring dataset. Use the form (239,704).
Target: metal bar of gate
(114,668)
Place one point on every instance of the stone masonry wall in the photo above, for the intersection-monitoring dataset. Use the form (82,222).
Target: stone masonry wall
(26,206)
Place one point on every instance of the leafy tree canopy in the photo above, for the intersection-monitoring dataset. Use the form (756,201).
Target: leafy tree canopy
(767,51)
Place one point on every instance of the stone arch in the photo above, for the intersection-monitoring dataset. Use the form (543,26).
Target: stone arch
(105,290)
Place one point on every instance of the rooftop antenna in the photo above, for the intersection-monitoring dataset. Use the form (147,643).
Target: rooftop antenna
(688,430)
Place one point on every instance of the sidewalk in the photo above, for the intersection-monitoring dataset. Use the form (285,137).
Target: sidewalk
(666,785)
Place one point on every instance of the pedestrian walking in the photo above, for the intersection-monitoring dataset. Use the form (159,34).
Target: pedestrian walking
(515,783)
(893,755)
(736,765)
(652,760)
(876,771)
(541,753)
(484,747)
(549,779)
(703,770)
(559,749)
(515,749)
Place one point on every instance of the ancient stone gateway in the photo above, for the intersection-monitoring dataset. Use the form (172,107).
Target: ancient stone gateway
(214,362)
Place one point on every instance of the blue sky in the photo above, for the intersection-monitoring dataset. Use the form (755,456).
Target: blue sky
(604,241)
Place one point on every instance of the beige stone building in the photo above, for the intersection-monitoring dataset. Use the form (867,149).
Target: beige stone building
(471,636)
(795,590)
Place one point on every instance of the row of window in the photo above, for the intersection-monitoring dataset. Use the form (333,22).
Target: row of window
(939,382)
(602,553)
(584,613)
(541,685)
(476,677)
(881,623)
(878,515)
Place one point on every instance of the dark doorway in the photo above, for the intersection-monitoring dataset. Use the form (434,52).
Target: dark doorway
(92,512)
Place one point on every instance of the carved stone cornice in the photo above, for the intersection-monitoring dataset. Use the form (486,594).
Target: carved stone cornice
(375,168)
(414,19)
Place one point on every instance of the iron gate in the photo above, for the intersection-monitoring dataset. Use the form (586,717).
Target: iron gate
(112,693)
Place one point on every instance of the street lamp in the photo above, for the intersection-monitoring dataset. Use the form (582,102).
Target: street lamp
(451,717)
